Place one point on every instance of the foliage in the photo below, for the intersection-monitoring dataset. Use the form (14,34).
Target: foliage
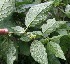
(38,30)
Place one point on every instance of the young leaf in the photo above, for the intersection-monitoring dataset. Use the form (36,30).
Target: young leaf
(6,7)
(38,52)
(51,26)
(37,14)
(55,49)
(31,35)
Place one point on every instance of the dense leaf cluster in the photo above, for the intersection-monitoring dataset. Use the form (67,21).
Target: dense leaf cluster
(39,31)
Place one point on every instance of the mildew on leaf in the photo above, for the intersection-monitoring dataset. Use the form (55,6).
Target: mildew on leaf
(37,14)
(38,52)
(6,7)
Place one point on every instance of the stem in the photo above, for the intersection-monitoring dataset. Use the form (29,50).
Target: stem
(61,10)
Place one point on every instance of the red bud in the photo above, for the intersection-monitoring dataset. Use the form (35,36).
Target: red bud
(3,31)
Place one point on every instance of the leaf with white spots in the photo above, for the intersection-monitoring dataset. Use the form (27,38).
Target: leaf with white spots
(11,55)
(37,14)
(9,51)
(6,7)
(51,26)
(18,29)
(38,52)
(55,49)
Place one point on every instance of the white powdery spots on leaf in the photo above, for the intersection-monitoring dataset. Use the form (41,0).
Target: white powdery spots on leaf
(38,52)
(34,11)
(55,49)
(51,26)
(18,29)
(6,7)
(11,54)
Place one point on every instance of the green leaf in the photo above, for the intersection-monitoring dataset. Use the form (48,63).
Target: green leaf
(24,48)
(6,7)
(7,24)
(44,41)
(56,2)
(65,43)
(38,52)
(62,31)
(56,38)
(52,59)
(51,26)
(8,50)
(23,8)
(21,2)
(66,2)
(37,14)
(25,38)
(55,48)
